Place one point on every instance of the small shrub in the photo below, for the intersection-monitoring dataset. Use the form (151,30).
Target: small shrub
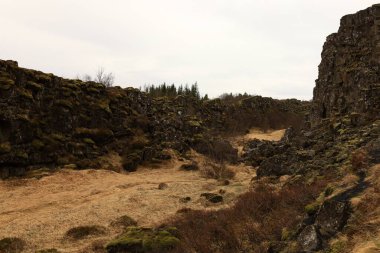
(123,222)
(359,159)
(12,245)
(216,171)
(82,232)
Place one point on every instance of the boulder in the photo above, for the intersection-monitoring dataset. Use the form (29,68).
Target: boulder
(309,239)
(331,217)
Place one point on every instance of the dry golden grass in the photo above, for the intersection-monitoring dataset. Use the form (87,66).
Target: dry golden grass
(41,211)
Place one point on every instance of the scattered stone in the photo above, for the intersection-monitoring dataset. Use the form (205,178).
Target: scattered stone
(162,186)
(185,200)
(212,197)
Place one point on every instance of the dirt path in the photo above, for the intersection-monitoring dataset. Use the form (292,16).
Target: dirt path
(40,211)
(271,135)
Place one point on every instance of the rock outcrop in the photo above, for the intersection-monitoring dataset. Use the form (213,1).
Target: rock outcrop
(349,73)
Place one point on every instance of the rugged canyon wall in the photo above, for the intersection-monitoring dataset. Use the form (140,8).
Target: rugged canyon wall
(349,73)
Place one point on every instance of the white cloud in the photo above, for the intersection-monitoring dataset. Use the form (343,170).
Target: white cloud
(262,47)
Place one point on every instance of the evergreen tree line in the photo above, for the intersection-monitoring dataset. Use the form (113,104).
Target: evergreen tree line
(164,90)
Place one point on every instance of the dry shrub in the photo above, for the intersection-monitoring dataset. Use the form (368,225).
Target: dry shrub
(219,150)
(216,171)
(258,216)
(12,245)
(359,159)
(82,232)
(123,222)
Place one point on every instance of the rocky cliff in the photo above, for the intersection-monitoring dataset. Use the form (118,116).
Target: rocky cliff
(349,73)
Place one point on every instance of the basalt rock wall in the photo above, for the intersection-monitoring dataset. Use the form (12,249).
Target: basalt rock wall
(49,120)
(349,73)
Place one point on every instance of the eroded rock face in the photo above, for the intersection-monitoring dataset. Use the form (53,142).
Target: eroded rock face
(349,73)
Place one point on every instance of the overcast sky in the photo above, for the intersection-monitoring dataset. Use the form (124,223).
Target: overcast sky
(269,48)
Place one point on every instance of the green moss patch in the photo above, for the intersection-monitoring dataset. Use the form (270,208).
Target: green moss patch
(142,240)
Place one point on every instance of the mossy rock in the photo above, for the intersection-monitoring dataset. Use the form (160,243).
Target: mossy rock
(96,134)
(37,144)
(5,147)
(88,141)
(104,105)
(12,245)
(144,240)
(21,154)
(58,137)
(82,232)
(43,78)
(312,208)
(6,83)
(64,103)
(27,94)
(34,86)
(194,123)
